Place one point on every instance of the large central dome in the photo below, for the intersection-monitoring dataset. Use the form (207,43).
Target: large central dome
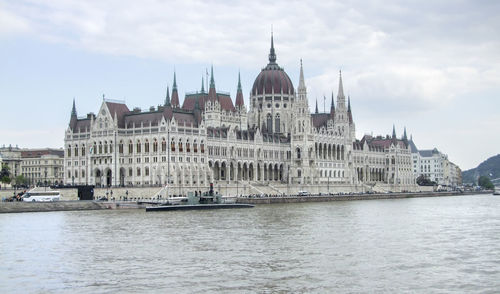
(272,78)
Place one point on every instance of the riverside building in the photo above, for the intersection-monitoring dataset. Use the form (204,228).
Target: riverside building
(273,145)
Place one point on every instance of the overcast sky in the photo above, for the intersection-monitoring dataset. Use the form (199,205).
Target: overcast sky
(432,66)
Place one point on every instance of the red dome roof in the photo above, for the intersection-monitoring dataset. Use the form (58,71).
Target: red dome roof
(272,77)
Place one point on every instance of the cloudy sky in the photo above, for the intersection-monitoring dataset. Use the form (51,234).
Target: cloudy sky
(432,66)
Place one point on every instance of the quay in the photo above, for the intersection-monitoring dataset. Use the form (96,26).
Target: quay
(13,207)
(349,197)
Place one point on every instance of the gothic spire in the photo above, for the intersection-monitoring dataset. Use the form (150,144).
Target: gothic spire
(167,98)
(349,112)
(341,87)
(302,84)
(212,81)
(393,132)
(316,111)
(272,54)
(73,110)
(174,87)
(404,135)
(202,85)
(212,94)
(239,81)
(239,93)
(332,107)
(175,95)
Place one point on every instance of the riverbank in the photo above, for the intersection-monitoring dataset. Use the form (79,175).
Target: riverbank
(349,197)
(13,207)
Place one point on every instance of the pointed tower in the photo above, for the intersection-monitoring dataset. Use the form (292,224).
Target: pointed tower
(340,94)
(175,94)
(316,111)
(349,113)
(212,94)
(302,90)
(332,108)
(167,98)
(202,85)
(393,131)
(73,110)
(74,118)
(239,94)
(272,54)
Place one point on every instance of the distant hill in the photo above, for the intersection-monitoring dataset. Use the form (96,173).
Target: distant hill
(487,167)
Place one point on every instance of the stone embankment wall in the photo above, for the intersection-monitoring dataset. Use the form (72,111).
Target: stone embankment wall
(315,198)
(6,207)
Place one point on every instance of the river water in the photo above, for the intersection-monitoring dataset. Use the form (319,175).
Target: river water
(425,245)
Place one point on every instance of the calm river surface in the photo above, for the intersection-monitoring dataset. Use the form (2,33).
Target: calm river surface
(425,245)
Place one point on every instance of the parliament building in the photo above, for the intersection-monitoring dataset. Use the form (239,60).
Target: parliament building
(273,145)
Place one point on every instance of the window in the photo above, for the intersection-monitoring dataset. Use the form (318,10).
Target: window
(163,145)
(146,146)
(155,146)
(269,123)
(138,171)
(120,147)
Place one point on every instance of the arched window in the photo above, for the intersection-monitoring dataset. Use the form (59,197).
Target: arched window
(130,172)
(111,147)
(120,147)
(76,174)
(83,173)
(100,147)
(146,146)
(83,150)
(188,146)
(130,147)
(138,150)
(76,150)
(146,171)
(163,145)
(138,171)
(105,147)
(94,148)
(195,147)
(180,145)
(269,123)
(69,150)
(202,147)
(277,123)
(155,145)
(298,152)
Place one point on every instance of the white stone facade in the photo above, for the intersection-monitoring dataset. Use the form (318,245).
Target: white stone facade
(277,143)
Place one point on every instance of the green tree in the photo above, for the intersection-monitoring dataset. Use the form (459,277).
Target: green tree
(485,182)
(5,179)
(20,180)
(5,171)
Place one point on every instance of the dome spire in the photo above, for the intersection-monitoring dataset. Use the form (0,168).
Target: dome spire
(272,54)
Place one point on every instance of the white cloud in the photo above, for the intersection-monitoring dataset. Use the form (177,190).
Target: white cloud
(405,59)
